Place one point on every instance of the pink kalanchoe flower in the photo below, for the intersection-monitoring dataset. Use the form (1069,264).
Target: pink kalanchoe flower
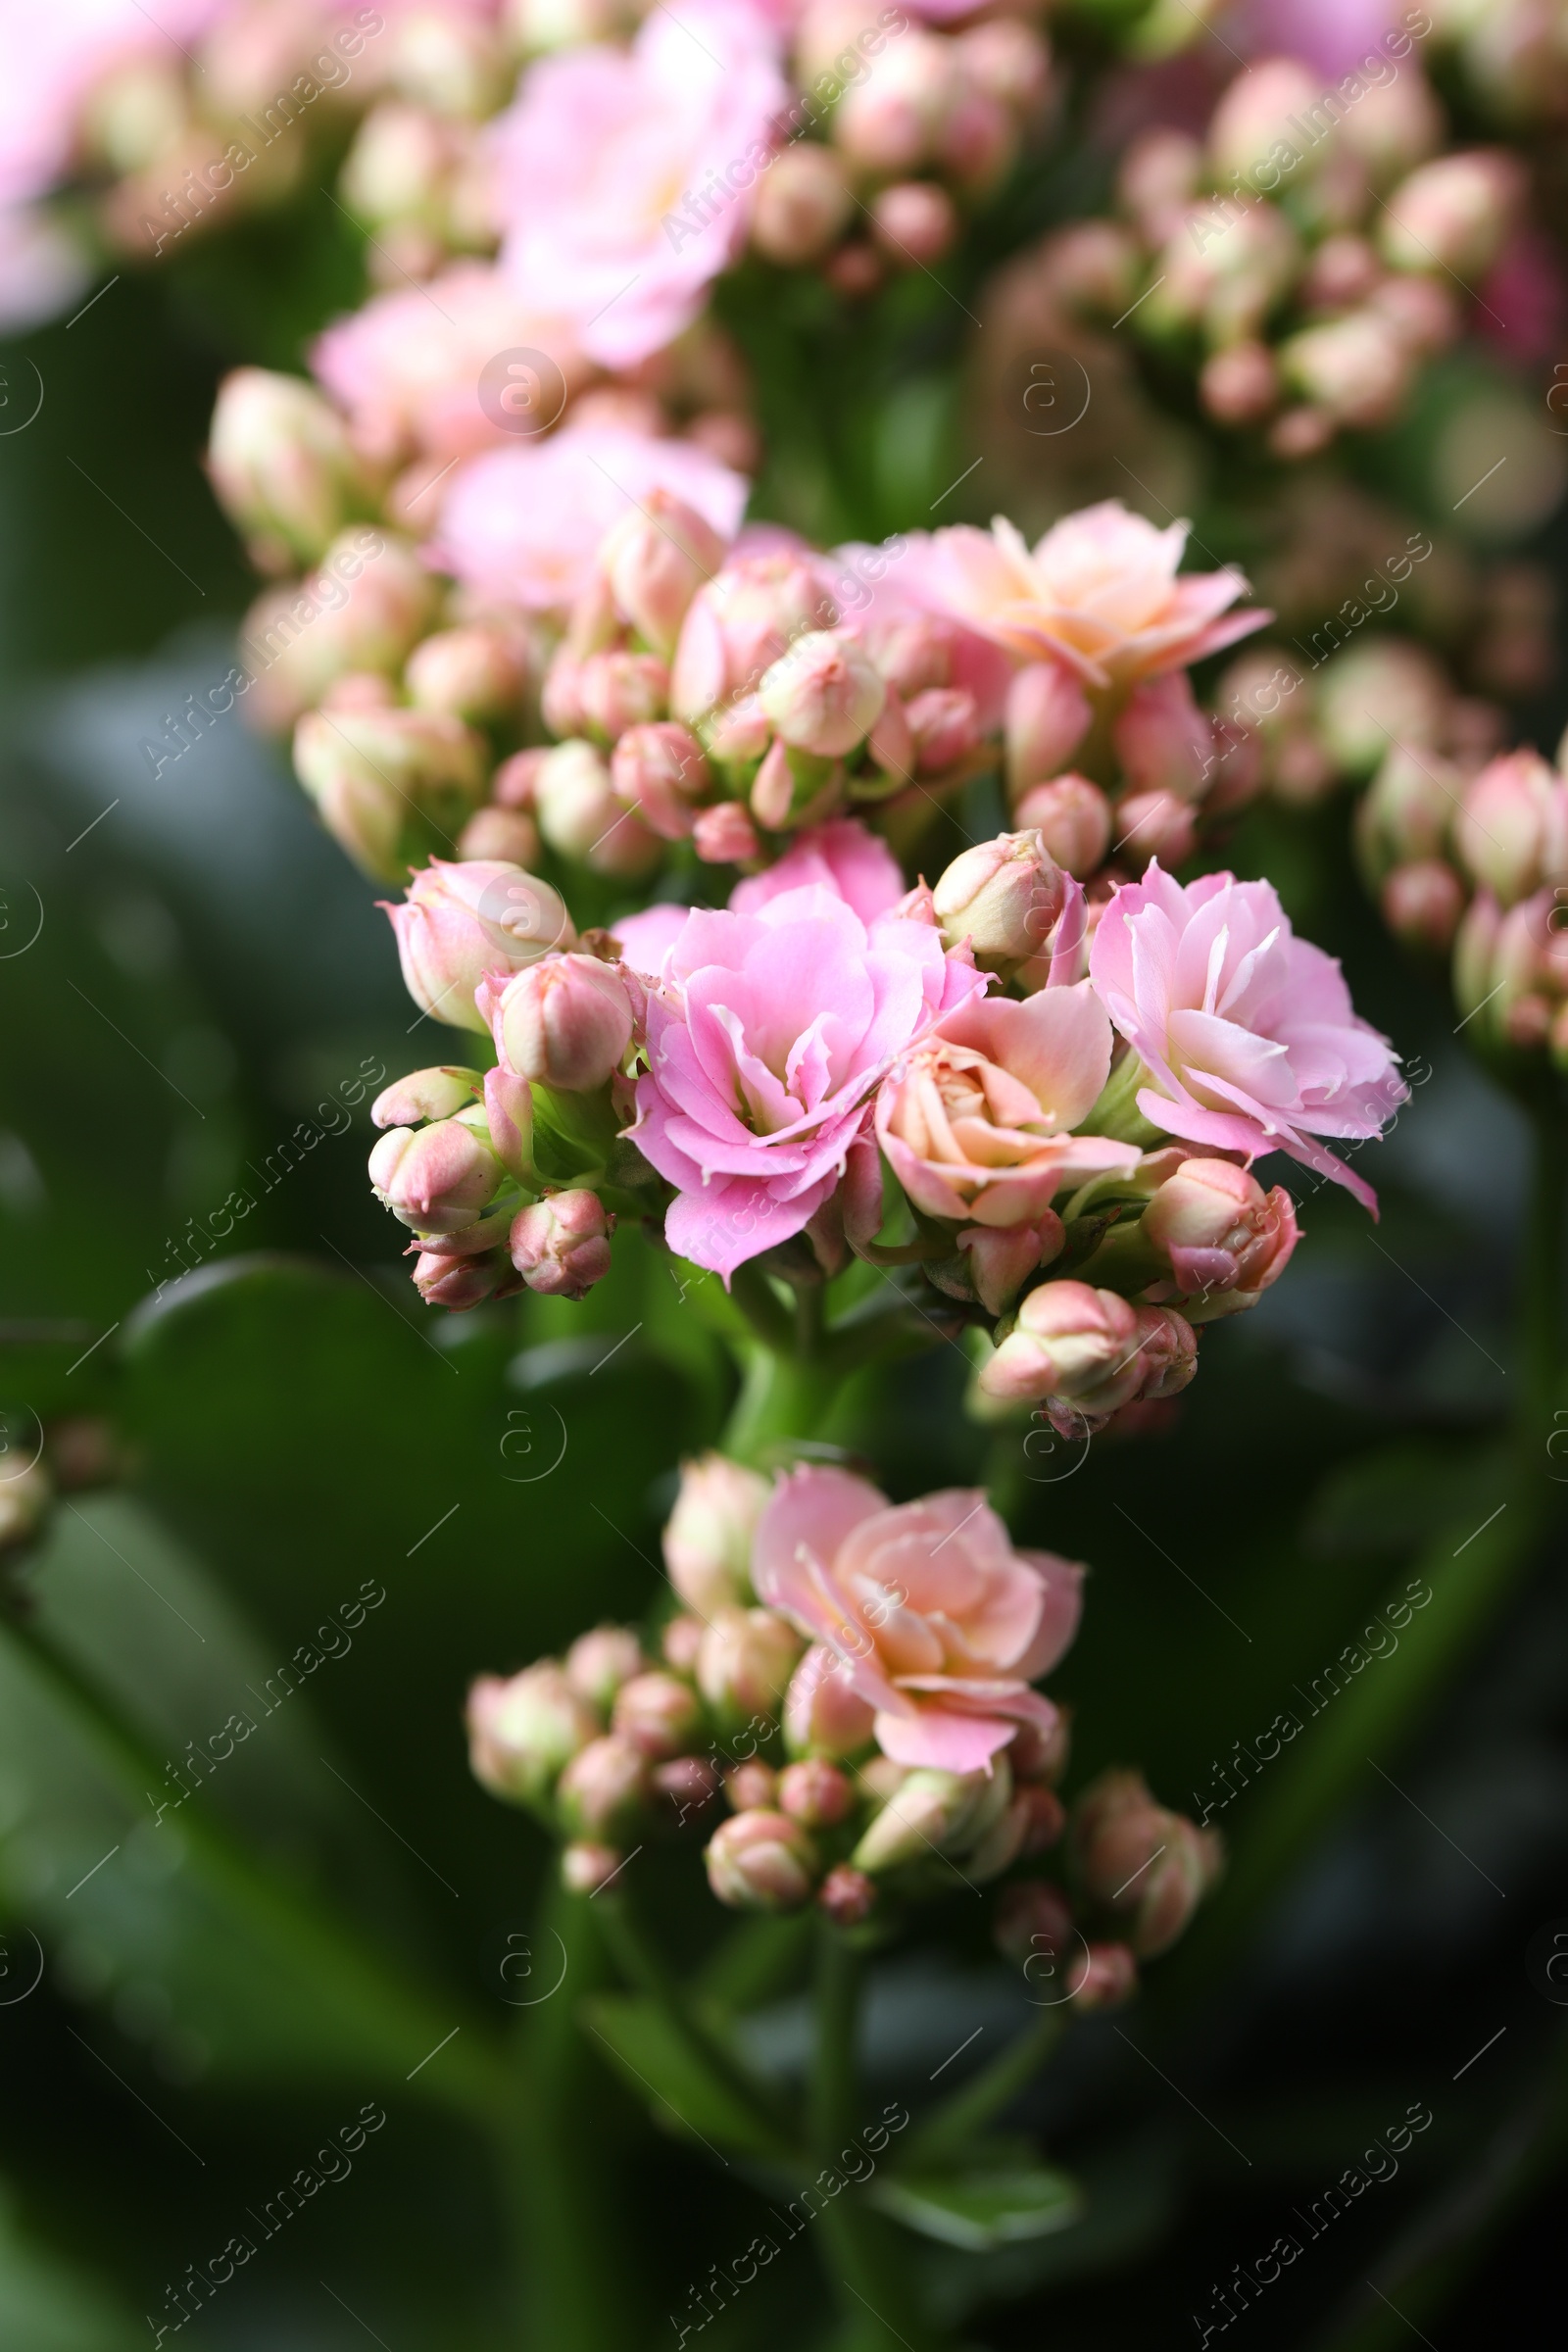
(1247,1033)
(1099,592)
(937,1622)
(462,919)
(525,524)
(621,173)
(855,864)
(977,1124)
(767,1036)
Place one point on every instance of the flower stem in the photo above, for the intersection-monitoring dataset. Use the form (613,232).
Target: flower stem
(960,2117)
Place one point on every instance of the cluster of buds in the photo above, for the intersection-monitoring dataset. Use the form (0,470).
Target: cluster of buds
(1305,260)
(1506,845)
(911,124)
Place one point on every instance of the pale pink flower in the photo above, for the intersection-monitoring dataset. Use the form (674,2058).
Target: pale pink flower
(767,1035)
(523,526)
(977,1123)
(1247,1033)
(55,57)
(856,865)
(936,1621)
(407,366)
(1099,592)
(622,174)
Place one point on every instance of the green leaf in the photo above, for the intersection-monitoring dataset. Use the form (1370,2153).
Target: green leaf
(43,2306)
(997,2201)
(1400,1495)
(667,2065)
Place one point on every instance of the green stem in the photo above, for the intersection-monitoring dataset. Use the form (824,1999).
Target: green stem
(961,2117)
(318,1946)
(780,1398)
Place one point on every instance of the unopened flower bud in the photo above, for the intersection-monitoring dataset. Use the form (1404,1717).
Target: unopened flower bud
(580,816)
(739,733)
(1155,824)
(604,1790)
(560,1245)
(459,1283)
(689,1785)
(598,1663)
(737,626)
(1511,832)
(944,725)
(618,690)
(1422,904)
(1453,213)
(1356,370)
(500,837)
(707,1540)
(1406,811)
(679,1643)
(1163,741)
(847,1896)
(1373,691)
(1048,717)
(524,1730)
(726,835)
(1133,1857)
(390,786)
(823,695)
(824,1715)
(929,1811)
(1240,385)
(1038,1755)
(816,1792)
(282,466)
(1070,1342)
(1044,1817)
(1224,1238)
(801,206)
(439,1178)
(658,1712)
(565,1023)
(913,652)
(915,221)
(1032,1924)
(459,922)
(660,771)
(1109,1978)
(654,560)
(1073,819)
(746,1662)
(324,640)
(889,123)
(1004,897)
(751,1787)
(586,1866)
(474,674)
(438,1094)
(762,1861)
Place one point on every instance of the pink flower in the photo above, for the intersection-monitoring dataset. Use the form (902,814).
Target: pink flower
(407,366)
(1247,1033)
(841,857)
(767,1035)
(976,1124)
(936,1621)
(622,174)
(523,526)
(55,57)
(1099,592)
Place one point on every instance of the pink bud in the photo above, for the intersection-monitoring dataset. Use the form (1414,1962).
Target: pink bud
(616,691)
(1009,61)
(689,1785)
(1512,826)
(580,816)
(889,123)
(1158,180)
(1422,904)
(803,205)
(458,1283)
(661,772)
(514,784)
(586,1866)
(945,726)
(475,673)
(1162,739)
(500,837)
(745,1662)
(914,221)
(564,1023)
(438,1094)
(1045,1818)
(437,1179)
(761,1862)
(823,695)
(1155,824)
(739,624)
(999,1258)
(1356,370)
(1073,820)
(522,1730)
(1048,717)
(459,922)
(1109,1980)
(816,1792)
(739,733)
(775,789)
(604,1790)
(561,696)
(598,1663)
(1004,897)
(1240,385)
(389,785)
(1453,213)
(1340,274)
(561,1246)
(282,466)
(1033,1924)
(1135,1858)
(847,1896)
(1225,1238)
(751,1787)
(977,143)
(509,1115)
(1042,1755)
(658,1712)
(654,560)
(824,1713)
(1070,1342)
(891,742)
(707,1540)
(679,1643)
(726,835)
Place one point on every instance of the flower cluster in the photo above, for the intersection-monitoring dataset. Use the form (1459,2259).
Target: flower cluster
(856,1677)
(1304,259)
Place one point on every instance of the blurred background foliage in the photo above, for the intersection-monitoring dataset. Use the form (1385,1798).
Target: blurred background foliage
(191,2003)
